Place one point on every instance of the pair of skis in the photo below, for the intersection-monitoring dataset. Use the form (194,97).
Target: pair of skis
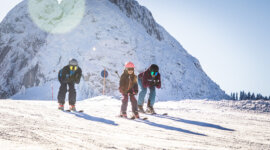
(79,111)
(133,118)
(164,114)
(143,118)
(153,114)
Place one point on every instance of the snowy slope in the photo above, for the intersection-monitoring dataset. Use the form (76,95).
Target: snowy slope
(110,33)
(190,125)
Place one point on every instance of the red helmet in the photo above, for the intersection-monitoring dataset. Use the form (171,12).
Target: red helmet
(129,65)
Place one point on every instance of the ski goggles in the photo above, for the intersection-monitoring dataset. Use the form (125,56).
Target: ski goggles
(130,69)
(154,73)
(73,68)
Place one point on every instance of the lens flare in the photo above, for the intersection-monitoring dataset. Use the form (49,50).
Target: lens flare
(56,16)
(59,1)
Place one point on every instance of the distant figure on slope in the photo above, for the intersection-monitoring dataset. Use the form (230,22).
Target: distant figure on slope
(69,75)
(129,88)
(149,79)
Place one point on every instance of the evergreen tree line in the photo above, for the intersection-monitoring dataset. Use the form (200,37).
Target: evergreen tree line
(248,96)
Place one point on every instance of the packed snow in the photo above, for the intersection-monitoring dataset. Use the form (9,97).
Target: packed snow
(111,33)
(190,124)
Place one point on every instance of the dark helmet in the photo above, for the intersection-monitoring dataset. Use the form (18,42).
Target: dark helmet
(73,62)
(154,68)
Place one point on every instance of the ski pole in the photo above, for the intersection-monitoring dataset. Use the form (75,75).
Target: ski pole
(52,91)
(104,82)
(117,74)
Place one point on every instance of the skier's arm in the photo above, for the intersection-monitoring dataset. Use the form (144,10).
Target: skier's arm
(144,80)
(136,88)
(121,84)
(158,84)
(78,76)
(65,75)
(60,75)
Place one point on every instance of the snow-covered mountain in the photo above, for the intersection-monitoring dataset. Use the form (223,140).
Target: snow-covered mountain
(110,33)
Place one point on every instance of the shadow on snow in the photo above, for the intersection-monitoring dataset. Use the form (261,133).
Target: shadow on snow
(92,118)
(203,124)
(168,127)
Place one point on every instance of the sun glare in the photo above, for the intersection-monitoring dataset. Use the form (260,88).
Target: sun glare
(56,16)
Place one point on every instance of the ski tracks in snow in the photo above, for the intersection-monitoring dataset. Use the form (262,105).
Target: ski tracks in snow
(189,125)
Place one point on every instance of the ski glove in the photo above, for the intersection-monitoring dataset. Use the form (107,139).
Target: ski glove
(154,83)
(133,93)
(77,78)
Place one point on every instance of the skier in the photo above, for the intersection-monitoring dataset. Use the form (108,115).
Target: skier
(149,79)
(69,75)
(129,88)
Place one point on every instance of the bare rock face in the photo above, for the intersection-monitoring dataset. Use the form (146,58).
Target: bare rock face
(133,10)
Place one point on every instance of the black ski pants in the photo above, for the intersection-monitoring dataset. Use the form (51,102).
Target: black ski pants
(71,93)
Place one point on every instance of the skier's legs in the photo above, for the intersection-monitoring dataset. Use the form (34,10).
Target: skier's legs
(152,95)
(72,94)
(142,93)
(134,104)
(62,93)
(124,103)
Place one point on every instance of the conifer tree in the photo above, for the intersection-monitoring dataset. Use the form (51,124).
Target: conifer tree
(253,96)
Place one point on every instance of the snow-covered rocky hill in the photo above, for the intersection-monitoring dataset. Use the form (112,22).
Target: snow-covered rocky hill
(200,124)
(110,33)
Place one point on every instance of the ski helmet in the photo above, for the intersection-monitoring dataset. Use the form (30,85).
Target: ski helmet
(129,65)
(154,68)
(73,62)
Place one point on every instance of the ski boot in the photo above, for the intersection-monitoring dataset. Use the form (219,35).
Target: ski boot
(72,108)
(61,106)
(135,115)
(123,114)
(150,110)
(140,109)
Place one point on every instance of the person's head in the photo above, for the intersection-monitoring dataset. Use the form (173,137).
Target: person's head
(154,70)
(130,67)
(73,64)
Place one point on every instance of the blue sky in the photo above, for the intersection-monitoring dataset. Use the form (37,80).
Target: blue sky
(6,6)
(230,38)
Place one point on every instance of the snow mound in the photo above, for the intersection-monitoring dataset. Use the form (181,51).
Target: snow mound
(260,106)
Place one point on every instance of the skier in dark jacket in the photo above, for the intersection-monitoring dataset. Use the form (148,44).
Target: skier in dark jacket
(68,76)
(129,88)
(149,79)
